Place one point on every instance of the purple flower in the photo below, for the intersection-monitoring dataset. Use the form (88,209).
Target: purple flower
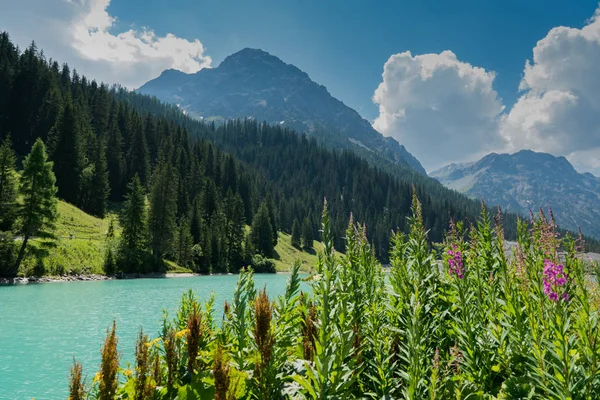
(554,278)
(455,262)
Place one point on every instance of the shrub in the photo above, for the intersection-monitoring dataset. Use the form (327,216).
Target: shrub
(261,264)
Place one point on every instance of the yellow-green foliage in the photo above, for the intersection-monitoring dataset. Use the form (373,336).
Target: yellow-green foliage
(81,253)
(286,254)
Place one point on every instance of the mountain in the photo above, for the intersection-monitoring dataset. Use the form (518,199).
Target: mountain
(528,180)
(254,83)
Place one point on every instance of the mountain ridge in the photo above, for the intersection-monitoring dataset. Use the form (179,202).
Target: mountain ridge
(529,180)
(255,83)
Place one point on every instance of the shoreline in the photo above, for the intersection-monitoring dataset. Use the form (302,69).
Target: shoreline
(98,277)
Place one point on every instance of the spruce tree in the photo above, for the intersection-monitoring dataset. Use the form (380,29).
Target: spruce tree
(37,212)
(115,160)
(163,209)
(307,234)
(183,243)
(138,156)
(234,229)
(68,154)
(296,234)
(8,186)
(273,217)
(133,222)
(262,233)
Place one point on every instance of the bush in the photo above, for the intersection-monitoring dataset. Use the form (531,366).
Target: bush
(8,255)
(261,264)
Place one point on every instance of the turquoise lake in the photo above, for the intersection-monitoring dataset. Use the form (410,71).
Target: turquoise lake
(42,326)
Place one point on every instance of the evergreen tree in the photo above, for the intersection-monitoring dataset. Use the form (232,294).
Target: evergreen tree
(307,234)
(163,209)
(196,221)
(8,186)
(234,230)
(138,155)
(183,243)
(133,222)
(38,212)
(296,234)
(261,232)
(68,154)
(273,217)
(114,159)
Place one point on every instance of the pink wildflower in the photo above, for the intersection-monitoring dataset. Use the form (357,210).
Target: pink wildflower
(554,278)
(455,262)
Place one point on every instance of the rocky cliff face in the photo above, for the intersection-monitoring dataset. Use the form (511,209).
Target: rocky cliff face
(253,83)
(527,181)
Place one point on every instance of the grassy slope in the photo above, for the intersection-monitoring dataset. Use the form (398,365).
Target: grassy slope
(84,252)
(286,254)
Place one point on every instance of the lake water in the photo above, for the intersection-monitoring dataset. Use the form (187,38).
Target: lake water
(42,326)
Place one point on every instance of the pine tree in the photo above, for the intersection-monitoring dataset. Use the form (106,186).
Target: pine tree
(196,221)
(114,159)
(38,211)
(296,234)
(133,222)
(273,218)
(163,209)
(234,229)
(307,234)
(138,156)
(68,154)
(183,243)
(8,186)
(262,233)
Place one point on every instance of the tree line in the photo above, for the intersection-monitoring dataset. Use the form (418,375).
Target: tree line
(203,183)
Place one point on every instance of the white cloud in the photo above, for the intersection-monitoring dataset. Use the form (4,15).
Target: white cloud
(442,109)
(446,110)
(80,32)
(559,110)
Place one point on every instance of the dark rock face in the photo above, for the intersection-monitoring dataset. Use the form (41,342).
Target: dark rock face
(253,83)
(528,180)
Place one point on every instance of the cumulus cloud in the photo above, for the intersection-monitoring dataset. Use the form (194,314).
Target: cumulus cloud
(446,110)
(442,109)
(81,33)
(559,110)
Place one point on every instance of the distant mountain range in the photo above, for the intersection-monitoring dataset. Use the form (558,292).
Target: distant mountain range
(527,181)
(254,83)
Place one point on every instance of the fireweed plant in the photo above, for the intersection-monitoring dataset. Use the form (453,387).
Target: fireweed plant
(476,324)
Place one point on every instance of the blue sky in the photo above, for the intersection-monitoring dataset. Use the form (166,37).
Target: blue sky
(344,44)
(451,80)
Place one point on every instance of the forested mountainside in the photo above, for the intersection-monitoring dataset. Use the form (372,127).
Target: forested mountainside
(254,83)
(203,183)
(529,180)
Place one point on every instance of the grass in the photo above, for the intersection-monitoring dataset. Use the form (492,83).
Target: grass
(81,253)
(80,247)
(286,254)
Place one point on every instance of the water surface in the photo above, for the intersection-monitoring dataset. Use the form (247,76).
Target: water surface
(42,326)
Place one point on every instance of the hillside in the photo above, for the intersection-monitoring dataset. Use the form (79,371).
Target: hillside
(81,244)
(528,180)
(254,83)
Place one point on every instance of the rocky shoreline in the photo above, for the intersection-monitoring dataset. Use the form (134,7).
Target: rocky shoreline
(90,277)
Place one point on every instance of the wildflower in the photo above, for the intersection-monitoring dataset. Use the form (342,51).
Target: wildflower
(152,343)
(455,262)
(221,372)
(76,384)
(194,332)
(142,360)
(554,278)
(109,365)
(181,333)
